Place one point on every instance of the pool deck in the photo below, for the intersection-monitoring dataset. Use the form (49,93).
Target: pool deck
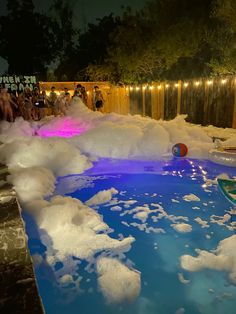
(18,288)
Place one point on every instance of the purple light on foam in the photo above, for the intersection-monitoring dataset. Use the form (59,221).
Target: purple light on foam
(63,127)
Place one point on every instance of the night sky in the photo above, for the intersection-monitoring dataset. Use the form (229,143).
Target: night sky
(87,10)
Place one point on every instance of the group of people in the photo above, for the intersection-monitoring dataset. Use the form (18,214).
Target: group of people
(35,104)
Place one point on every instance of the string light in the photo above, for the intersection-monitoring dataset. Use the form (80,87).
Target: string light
(186,84)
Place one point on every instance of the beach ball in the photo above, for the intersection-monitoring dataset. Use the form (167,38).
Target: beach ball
(179,150)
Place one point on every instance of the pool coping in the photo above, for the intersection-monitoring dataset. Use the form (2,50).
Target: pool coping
(18,287)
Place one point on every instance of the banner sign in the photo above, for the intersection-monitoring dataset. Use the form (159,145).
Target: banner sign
(18,83)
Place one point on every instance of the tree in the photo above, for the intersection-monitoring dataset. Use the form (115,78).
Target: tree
(62,14)
(223,40)
(93,45)
(67,36)
(89,51)
(27,39)
(132,51)
(153,43)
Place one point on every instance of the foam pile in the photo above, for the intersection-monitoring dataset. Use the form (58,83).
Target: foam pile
(222,259)
(84,232)
(117,282)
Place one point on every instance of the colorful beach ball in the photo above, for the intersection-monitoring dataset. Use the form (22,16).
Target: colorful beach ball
(179,150)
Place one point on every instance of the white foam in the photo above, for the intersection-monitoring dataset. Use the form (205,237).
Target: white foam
(135,136)
(20,129)
(182,279)
(182,227)
(202,223)
(191,198)
(56,154)
(220,220)
(116,208)
(33,183)
(117,282)
(141,215)
(174,201)
(101,197)
(223,259)
(66,279)
(84,232)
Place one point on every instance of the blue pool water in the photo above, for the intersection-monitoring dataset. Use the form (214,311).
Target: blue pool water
(166,288)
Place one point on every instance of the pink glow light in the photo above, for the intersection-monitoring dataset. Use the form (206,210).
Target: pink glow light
(63,127)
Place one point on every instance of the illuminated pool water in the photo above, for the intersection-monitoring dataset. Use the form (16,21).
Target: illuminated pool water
(179,191)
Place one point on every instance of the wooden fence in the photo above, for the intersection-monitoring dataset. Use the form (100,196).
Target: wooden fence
(205,101)
(116,98)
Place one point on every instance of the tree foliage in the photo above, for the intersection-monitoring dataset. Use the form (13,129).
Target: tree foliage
(223,40)
(27,39)
(90,49)
(151,44)
(61,14)
(175,39)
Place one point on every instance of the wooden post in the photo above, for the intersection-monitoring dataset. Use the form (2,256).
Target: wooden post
(143,101)
(154,106)
(124,101)
(127,101)
(157,103)
(161,102)
(179,97)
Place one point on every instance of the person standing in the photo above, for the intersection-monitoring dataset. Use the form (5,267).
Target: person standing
(98,99)
(28,104)
(35,110)
(51,100)
(6,107)
(62,103)
(42,104)
(80,92)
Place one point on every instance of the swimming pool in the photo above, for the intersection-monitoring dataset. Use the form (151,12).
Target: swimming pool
(168,210)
